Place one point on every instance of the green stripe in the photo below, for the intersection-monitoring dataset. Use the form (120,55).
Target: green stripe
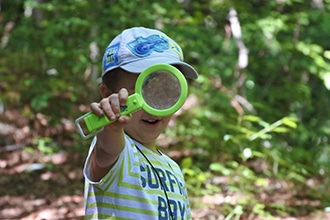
(132,209)
(104,216)
(160,192)
(129,185)
(120,171)
(136,164)
(125,196)
(128,209)
(136,198)
(110,179)
(91,205)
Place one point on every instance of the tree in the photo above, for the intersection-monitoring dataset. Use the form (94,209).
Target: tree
(273,112)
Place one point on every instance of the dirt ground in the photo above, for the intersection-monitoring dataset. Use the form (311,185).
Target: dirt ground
(31,191)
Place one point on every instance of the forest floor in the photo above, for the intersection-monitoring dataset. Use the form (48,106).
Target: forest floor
(31,191)
(36,184)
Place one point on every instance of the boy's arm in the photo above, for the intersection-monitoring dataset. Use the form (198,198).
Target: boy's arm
(111,141)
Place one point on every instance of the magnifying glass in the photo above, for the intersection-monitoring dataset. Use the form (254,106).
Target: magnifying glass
(160,90)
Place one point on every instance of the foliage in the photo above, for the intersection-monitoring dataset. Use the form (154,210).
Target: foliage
(273,111)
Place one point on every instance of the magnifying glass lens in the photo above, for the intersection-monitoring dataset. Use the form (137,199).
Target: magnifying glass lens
(161,90)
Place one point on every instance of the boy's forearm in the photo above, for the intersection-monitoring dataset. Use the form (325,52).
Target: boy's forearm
(106,152)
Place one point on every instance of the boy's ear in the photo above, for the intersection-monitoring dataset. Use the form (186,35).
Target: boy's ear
(104,90)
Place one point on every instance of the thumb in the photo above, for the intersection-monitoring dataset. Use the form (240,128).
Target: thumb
(125,119)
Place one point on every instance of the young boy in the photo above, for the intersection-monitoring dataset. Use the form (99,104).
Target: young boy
(127,177)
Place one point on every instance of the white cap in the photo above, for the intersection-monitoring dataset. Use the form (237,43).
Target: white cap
(137,48)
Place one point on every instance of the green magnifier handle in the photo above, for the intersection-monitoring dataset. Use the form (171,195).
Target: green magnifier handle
(94,123)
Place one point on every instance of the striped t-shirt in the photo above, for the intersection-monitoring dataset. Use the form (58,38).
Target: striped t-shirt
(142,185)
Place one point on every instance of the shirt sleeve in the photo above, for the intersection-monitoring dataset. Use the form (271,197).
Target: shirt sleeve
(88,164)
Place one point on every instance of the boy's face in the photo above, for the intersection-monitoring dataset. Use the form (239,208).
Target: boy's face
(143,127)
(146,128)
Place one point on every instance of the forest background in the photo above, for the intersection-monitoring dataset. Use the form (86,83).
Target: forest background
(252,138)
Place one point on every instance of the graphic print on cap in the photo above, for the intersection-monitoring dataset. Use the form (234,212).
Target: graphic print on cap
(143,47)
(111,57)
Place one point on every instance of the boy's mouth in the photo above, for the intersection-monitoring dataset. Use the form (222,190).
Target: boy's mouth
(150,121)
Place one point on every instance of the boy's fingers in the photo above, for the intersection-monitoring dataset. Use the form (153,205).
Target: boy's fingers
(123,94)
(125,119)
(95,107)
(115,104)
(108,105)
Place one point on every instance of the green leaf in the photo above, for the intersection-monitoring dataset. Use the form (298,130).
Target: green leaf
(188,172)
(187,162)
(218,167)
(252,118)
(289,121)
(280,130)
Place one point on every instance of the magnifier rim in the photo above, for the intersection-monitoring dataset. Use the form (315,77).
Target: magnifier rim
(183,85)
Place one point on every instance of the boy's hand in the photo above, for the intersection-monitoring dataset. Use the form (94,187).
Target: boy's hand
(110,141)
(110,106)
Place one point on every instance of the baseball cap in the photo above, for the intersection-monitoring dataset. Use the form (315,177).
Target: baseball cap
(137,48)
